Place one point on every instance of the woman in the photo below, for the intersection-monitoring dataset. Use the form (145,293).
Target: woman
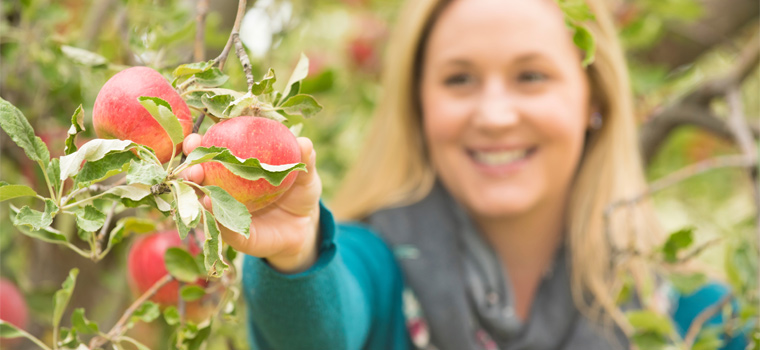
(482,190)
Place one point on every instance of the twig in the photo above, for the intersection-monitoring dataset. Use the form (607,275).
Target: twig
(200,30)
(117,328)
(699,321)
(240,51)
(235,30)
(674,178)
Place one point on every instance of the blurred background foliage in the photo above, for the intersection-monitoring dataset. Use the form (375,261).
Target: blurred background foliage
(673,46)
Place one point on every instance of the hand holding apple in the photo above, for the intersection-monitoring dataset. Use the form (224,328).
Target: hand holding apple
(284,232)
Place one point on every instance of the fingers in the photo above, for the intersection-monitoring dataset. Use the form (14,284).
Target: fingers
(309,157)
(194,174)
(190,143)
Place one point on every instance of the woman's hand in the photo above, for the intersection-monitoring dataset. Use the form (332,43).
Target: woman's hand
(284,232)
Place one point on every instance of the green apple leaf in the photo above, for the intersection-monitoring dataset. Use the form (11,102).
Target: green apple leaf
(128,225)
(576,10)
(265,85)
(212,247)
(676,242)
(91,151)
(81,324)
(83,57)
(145,172)
(271,114)
(195,98)
(77,126)
(192,292)
(231,254)
(162,112)
(34,219)
(171,315)
(585,41)
(147,312)
(216,104)
(250,169)
(299,73)
(15,124)
(187,203)
(14,191)
(8,330)
(304,105)
(54,173)
(47,234)
(650,321)
(296,129)
(192,68)
(240,106)
(99,170)
(228,211)
(133,192)
(181,265)
(687,283)
(90,219)
(212,77)
(62,296)
(181,227)
(323,82)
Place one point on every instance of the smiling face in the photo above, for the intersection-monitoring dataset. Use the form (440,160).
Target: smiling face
(505,105)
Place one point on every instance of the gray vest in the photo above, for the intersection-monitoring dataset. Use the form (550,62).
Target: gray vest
(435,274)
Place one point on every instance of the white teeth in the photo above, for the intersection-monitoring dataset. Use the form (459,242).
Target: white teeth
(499,158)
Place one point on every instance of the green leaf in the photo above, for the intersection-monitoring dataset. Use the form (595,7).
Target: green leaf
(91,151)
(231,254)
(162,112)
(192,68)
(240,106)
(133,192)
(272,114)
(686,284)
(195,98)
(192,292)
(216,104)
(34,219)
(47,234)
(304,105)
(14,191)
(83,57)
(90,219)
(81,324)
(650,321)
(212,247)
(320,83)
(676,242)
(576,10)
(187,202)
(709,338)
(650,341)
(250,169)
(228,211)
(145,172)
(15,124)
(200,338)
(212,77)
(181,265)
(8,330)
(99,170)
(171,315)
(264,86)
(146,312)
(62,296)
(69,339)
(585,41)
(77,126)
(299,73)
(54,173)
(128,225)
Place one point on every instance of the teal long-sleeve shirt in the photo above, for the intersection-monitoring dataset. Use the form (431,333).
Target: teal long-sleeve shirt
(351,298)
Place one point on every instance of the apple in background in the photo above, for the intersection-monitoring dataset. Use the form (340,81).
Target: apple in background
(12,309)
(145,265)
(117,113)
(365,46)
(269,141)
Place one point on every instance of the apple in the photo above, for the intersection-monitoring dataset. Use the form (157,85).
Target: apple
(267,140)
(118,114)
(12,309)
(145,265)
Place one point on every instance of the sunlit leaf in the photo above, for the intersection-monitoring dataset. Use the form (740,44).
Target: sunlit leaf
(192,68)
(163,114)
(90,219)
(15,124)
(299,73)
(181,265)
(14,191)
(265,85)
(91,151)
(62,296)
(83,57)
(250,169)
(212,247)
(99,170)
(228,211)
(77,126)
(145,172)
(34,219)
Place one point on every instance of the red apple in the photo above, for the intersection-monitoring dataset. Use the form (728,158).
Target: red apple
(12,309)
(146,265)
(269,141)
(118,114)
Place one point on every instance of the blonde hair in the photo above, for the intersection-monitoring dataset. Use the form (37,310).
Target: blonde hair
(394,170)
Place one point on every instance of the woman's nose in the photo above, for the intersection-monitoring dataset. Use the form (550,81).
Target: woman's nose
(496,107)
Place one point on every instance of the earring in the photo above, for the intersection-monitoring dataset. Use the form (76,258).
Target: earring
(596,121)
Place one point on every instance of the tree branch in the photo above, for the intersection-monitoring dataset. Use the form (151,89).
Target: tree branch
(240,51)
(235,30)
(201,10)
(699,321)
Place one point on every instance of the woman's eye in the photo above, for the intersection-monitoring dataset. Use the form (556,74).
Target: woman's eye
(530,77)
(458,79)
